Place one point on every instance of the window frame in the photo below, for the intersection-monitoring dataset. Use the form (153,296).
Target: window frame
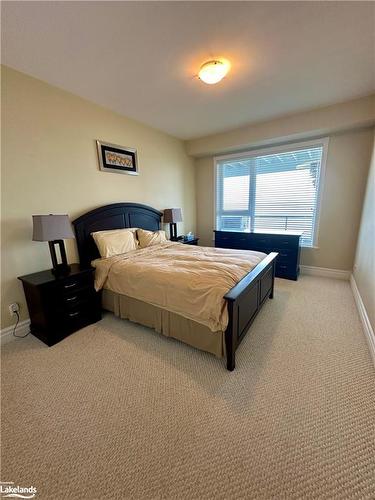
(291,146)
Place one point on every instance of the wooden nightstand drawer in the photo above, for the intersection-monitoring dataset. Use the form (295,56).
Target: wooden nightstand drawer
(80,314)
(75,283)
(70,322)
(67,302)
(72,300)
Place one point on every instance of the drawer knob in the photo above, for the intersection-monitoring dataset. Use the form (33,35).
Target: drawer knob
(71,285)
(72,315)
(71,299)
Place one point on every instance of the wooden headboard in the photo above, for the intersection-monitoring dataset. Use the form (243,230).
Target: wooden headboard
(115,216)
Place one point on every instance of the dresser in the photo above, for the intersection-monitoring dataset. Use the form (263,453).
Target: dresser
(59,306)
(286,243)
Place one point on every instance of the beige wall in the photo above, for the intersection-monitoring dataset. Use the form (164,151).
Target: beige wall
(327,120)
(49,165)
(364,267)
(346,172)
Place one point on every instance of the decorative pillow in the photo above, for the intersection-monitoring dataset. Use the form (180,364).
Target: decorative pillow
(115,242)
(150,238)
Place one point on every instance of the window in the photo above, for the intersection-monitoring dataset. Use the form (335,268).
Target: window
(271,190)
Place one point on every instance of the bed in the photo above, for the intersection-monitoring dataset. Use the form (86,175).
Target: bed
(242,301)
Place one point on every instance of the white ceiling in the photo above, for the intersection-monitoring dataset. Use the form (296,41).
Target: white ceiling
(140,58)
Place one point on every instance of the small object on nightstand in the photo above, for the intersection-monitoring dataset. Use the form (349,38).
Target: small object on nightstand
(61,305)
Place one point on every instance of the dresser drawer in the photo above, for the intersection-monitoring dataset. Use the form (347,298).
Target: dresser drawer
(222,241)
(260,241)
(285,242)
(286,270)
(237,241)
(286,255)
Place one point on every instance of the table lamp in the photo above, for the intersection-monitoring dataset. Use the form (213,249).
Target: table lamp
(172,215)
(54,229)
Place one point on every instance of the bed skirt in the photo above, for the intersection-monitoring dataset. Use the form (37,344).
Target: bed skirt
(165,322)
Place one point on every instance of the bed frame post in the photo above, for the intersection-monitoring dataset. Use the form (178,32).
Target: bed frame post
(230,337)
(245,300)
(273,278)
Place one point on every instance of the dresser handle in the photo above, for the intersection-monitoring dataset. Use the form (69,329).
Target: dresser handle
(71,285)
(283,267)
(70,299)
(72,315)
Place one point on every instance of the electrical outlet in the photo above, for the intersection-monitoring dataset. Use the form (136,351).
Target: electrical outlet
(14,308)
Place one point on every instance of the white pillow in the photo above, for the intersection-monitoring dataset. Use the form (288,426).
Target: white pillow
(133,230)
(115,241)
(150,238)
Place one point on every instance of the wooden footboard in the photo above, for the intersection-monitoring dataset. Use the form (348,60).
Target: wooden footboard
(245,301)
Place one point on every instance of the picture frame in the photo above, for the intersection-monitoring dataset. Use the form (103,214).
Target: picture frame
(117,159)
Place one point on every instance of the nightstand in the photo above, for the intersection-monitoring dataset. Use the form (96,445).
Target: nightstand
(190,242)
(59,306)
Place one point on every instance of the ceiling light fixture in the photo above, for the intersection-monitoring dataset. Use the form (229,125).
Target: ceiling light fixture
(213,71)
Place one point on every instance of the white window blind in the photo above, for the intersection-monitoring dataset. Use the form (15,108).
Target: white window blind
(271,191)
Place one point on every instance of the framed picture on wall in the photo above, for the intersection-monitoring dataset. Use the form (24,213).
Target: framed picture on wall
(118,159)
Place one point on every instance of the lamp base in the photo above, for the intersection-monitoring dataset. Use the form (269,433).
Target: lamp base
(61,270)
(173,231)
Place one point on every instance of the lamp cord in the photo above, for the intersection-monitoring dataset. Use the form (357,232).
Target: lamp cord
(15,327)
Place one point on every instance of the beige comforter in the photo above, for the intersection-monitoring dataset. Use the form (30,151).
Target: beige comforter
(184,279)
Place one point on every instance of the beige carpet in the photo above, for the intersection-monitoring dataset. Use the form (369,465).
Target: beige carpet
(118,412)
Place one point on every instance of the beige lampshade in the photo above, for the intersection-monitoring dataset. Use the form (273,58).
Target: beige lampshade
(52,227)
(172,215)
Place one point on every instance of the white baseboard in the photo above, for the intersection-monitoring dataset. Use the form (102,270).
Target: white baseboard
(6,334)
(367,328)
(325,272)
